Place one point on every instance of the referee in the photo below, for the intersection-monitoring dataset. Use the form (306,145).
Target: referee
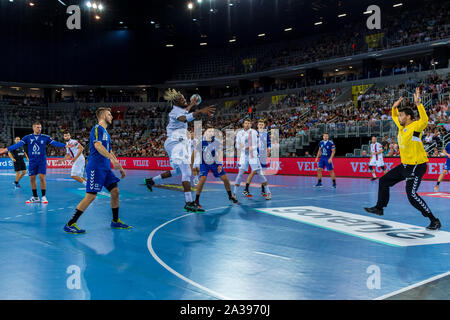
(19,164)
(414,161)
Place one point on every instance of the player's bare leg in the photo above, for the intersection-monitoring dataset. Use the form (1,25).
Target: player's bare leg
(199,189)
(441,177)
(227,185)
(150,182)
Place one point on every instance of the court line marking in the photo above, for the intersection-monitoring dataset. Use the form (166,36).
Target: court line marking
(418,284)
(168,268)
(271,255)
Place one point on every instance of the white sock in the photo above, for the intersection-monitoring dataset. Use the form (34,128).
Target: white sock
(374,175)
(157,179)
(267,188)
(188,196)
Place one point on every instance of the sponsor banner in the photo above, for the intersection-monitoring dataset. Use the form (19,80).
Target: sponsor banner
(343,167)
(378,230)
(443,195)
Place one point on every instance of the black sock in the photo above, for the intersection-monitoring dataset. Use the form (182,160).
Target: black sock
(197,198)
(34,193)
(16,182)
(115,212)
(75,217)
(43,192)
(263,189)
(437,183)
(246,186)
(229,194)
(334,181)
(320,180)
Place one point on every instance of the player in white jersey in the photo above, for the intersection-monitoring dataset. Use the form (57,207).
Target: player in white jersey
(75,152)
(264,146)
(247,145)
(195,169)
(178,146)
(376,158)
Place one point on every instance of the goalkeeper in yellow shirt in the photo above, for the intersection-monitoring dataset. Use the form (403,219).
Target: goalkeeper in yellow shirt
(414,161)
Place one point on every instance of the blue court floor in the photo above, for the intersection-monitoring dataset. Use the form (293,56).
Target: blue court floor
(245,251)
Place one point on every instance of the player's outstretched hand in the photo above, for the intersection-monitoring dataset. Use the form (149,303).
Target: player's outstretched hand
(209,110)
(122,172)
(417,96)
(397,103)
(3,150)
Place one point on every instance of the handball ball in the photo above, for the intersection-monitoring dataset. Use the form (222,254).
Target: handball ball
(199,99)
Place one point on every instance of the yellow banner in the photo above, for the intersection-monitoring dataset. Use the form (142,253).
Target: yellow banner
(276,99)
(229,104)
(373,40)
(357,90)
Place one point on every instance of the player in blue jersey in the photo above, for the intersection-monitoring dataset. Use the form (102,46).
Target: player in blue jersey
(327,149)
(210,160)
(99,173)
(264,146)
(446,151)
(37,155)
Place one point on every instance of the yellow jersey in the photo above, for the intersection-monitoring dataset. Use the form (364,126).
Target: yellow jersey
(410,138)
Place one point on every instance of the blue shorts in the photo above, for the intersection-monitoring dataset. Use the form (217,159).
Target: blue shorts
(323,162)
(37,167)
(205,168)
(99,178)
(447,165)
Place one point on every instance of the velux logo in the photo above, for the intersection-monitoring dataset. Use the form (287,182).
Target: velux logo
(373,229)
(141,163)
(163,163)
(362,167)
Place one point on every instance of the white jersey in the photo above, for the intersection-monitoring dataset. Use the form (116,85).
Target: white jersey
(376,159)
(247,143)
(177,129)
(72,147)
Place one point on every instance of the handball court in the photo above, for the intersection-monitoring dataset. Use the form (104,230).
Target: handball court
(305,243)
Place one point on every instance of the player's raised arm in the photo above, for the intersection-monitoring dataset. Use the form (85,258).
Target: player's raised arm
(395,111)
(191,116)
(422,123)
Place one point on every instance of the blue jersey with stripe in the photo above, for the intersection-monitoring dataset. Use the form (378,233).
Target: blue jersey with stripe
(447,149)
(326,147)
(37,151)
(96,160)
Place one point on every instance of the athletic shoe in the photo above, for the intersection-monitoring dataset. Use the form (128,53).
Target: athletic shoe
(375,210)
(33,200)
(119,225)
(17,186)
(263,194)
(247,194)
(436,188)
(198,205)
(149,183)
(334,185)
(190,207)
(268,196)
(434,225)
(318,185)
(234,199)
(44,200)
(373,179)
(73,229)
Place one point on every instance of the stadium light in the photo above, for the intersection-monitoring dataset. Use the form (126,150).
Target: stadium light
(317,23)
(169,45)
(232,40)
(100,7)
(11,0)
(97,17)
(31,4)
(199,1)
(152,22)
(342,15)
(190,6)
(288,29)
(120,22)
(94,5)
(397,5)
(261,35)
(350,67)
(231,4)
(88,4)
(203,43)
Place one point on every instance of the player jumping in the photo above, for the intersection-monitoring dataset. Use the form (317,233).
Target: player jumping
(413,161)
(99,173)
(37,143)
(327,150)
(211,156)
(75,152)
(19,164)
(177,145)
(376,160)
(446,151)
(247,144)
(264,145)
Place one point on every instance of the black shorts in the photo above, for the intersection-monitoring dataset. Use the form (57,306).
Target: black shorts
(20,166)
